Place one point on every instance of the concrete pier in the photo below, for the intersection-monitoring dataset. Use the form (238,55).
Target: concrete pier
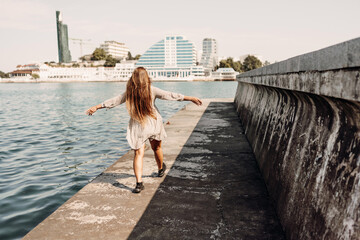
(212,190)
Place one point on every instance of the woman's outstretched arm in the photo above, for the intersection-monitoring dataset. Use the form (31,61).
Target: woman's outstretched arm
(166,95)
(110,103)
(195,100)
(93,109)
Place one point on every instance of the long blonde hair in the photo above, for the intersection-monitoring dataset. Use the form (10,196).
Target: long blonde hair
(138,96)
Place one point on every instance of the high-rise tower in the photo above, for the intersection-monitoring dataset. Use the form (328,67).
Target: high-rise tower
(63,40)
(209,56)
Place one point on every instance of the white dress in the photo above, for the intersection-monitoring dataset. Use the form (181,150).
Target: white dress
(153,128)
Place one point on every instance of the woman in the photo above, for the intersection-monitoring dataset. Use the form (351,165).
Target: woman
(145,120)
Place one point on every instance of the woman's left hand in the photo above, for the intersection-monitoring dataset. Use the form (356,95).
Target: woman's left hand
(91,110)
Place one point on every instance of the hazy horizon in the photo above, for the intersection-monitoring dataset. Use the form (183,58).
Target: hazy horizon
(275,30)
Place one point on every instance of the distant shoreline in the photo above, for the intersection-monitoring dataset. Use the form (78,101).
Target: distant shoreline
(102,81)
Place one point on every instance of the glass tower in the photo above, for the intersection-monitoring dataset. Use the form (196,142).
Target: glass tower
(209,56)
(173,51)
(63,40)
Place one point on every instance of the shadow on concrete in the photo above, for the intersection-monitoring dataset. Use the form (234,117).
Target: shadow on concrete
(120,185)
(112,178)
(214,190)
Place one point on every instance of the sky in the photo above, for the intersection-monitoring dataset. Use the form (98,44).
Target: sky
(274,29)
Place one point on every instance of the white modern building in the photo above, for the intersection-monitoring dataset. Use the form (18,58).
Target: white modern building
(121,72)
(209,57)
(224,74)
(24,73)
(173,57)
(115,49)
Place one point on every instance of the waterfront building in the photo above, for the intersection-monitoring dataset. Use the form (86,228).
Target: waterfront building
(25,71)
(121,72)
(209,57)
(50,73)
(224,74)
(63,40)
(115,49)
(173,57)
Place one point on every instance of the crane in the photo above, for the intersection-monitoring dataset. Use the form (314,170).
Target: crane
(80,42)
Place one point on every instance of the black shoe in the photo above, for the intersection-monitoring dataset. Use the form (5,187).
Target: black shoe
(139,187)
(162,171)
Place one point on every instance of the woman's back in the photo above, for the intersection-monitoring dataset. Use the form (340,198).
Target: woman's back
(145,120)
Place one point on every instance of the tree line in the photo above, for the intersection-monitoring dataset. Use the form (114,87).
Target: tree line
(4,75)
(250,62)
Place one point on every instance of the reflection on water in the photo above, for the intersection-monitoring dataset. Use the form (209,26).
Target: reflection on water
(50,149)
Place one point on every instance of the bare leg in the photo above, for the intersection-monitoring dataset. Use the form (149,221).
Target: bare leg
(158,153)
(138,163)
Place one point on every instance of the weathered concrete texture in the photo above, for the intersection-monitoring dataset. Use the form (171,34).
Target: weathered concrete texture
(333,71)
(213,189)
(308,149)
(343,84)
(339,56)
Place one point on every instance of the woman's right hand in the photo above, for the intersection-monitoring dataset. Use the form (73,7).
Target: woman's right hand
(91,110)
(196,100)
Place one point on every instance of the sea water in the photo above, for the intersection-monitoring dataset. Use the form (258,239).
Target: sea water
(50,149)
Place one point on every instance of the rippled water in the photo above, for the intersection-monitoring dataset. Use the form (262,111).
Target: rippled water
(49,148)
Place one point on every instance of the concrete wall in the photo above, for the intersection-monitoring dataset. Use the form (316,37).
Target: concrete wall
(304,127)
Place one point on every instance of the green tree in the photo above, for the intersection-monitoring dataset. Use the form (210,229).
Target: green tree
(137,57)
(230,61)
(250,63)
(266,63)
(129,57)
(224,64)
(237,66)
(110,61)
(35,76)
(98,54)
(4,75)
